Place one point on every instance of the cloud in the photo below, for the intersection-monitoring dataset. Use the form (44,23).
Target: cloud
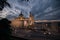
(48,9)
(41,9)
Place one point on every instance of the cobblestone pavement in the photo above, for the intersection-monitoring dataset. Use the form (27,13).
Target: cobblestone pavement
(34,35)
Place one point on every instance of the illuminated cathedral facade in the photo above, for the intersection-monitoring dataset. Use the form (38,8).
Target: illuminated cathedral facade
(51,26)
(21,21)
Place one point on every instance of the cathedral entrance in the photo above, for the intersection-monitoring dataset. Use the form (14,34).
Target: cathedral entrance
(22,23)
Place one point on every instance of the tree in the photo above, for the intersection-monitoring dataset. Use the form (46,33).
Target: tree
(5,30)
(3,3)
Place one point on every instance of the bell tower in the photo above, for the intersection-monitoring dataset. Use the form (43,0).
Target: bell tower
(21,16)
(31,19)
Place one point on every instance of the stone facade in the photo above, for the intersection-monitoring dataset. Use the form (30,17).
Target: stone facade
(21,21)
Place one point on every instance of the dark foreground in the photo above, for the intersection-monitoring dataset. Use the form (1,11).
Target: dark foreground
(22,34)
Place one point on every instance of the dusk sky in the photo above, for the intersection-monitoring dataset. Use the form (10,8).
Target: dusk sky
(40,9)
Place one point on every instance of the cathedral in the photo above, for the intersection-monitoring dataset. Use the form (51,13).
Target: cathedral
(21,21)
(44,25)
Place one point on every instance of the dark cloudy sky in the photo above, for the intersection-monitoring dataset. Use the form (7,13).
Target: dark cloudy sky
(41,9)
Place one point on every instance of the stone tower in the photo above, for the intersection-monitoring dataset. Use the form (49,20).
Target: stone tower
(31,19)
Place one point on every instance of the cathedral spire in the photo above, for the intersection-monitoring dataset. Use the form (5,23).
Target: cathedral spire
(21,14)
(30,14)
